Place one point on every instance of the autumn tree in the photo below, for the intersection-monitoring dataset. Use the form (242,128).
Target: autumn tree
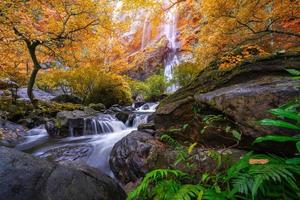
(47,29)
(227,24)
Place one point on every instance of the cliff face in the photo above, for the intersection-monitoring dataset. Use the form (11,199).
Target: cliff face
(155,38)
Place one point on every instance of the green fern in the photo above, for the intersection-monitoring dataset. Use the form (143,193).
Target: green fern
(153,177)
(255,179)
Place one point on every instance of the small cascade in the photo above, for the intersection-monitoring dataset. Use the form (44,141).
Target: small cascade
(147,107)
(34,137)
(101,124)
(140,119)
(170,31)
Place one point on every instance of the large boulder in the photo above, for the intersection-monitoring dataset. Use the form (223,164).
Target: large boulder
(139,152)
(24,177)
(133,156)
(250,88)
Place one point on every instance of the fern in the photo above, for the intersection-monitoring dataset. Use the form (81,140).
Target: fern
(153,177)
(254,180)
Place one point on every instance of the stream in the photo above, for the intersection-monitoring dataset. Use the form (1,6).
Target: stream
(93,147)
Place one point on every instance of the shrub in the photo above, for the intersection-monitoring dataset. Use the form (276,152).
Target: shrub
(92,84)
(185,73)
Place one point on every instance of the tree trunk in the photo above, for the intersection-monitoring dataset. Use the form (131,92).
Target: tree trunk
(36,67)
(31,84)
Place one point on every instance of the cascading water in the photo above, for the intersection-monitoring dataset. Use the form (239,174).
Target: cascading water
(93,146)
(170,31)
(146,31)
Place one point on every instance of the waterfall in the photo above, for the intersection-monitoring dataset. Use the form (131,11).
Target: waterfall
(146,32)
(170,31)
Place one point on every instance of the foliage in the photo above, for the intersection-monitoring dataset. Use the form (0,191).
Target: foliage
(185,73)
(153,87)
(255,176)
(90,83)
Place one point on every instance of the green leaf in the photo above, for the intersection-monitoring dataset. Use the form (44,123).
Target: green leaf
(293,72)
(237,135)
(286,114)
(200,195)
(298,146)
(279,123)
(185,126)
(276,138)
(293,161)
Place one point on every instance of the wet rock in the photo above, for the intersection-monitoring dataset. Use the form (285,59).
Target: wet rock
(97,107)
(68,123)
(148,126)
(11,134)
(24,177)
(66,98)
(122,116)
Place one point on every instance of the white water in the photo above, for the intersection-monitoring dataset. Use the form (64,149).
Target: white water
(170,31)
(99,136)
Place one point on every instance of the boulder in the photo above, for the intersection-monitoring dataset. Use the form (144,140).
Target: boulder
(11,134)
(24,177)
(69,123)
(133,156)
(122,116)
(263,80)
(139,152)
(66,98)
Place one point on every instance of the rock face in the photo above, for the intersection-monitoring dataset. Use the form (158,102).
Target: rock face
(243,93)
(24,177)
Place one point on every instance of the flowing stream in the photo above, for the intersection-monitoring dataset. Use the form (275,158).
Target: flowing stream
(93,147)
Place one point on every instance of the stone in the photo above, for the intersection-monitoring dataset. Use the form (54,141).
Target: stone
(122,116)
(11,134)
(133,156)
(24,177)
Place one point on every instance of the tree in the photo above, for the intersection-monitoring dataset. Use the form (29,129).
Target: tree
(47,29)
(227,24)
